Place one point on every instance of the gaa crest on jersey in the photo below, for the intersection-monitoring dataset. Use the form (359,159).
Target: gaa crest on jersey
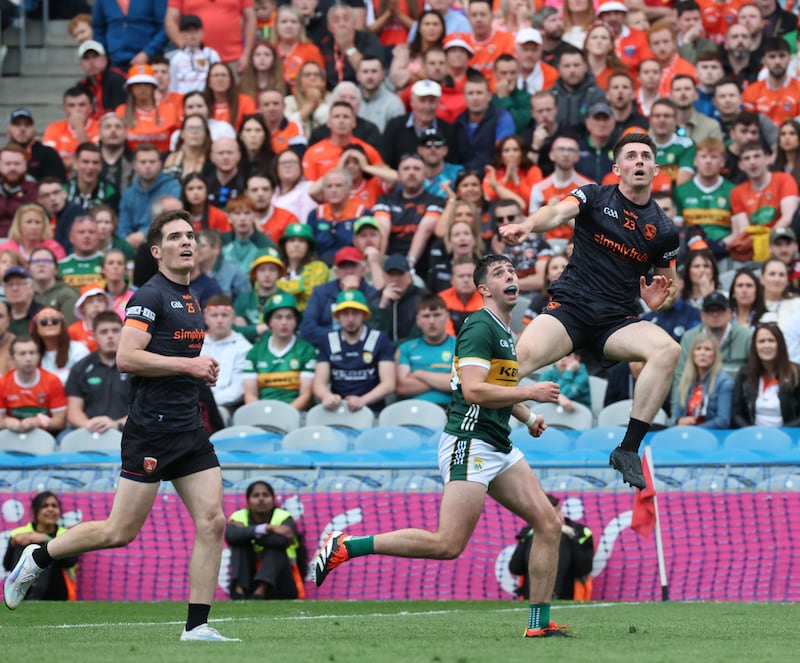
(649,231)
(367,357)
(294,364)
(150,464)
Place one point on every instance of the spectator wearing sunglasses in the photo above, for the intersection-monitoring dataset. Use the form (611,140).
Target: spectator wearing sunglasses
(57,351)
(225,181)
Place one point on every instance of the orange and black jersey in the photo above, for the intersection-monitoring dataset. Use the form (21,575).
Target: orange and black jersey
(170,313)
(616,242)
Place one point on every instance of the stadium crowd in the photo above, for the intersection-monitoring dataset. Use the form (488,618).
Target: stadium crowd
(345,166)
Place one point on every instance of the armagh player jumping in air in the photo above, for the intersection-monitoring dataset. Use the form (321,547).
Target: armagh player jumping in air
(476,456)
(164,438)
(620,234)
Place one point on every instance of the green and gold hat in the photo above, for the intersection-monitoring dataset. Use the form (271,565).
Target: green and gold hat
(351,299)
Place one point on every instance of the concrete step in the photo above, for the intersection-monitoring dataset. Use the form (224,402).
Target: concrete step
(57,35)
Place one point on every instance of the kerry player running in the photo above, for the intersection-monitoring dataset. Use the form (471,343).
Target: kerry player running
(620,235)
(476,456)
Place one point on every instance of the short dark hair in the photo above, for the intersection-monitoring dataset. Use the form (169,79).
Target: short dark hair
(343,104)
(76,91)
(569,49)
(434,302)
(111,317)
(23,338)
(709,56)
(155,234)
(680,77)
(662,101)
(746,118)
(504,57)
(87,147)
(252,486)
(145,147)
(634,138)
(686,6)
(218,300)
(474,76)
(462,260)
(482,268)
(773,44)
(751,145)
(158,59)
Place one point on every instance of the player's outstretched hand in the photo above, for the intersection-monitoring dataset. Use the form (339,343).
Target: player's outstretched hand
(544,392)
(513,233)
(538,426)
(655,294)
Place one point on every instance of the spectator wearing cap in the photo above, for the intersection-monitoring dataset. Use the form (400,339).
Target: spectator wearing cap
(228,347)
(343,46)
(783,246)
(486,42)
(733,338)
(92,300)
(438,171)
(482,125)
(280,366)
(229,27)
(378,103)
(367,239)
(133,32)
(507,95)
(104,84)
(16,188)
(597,144)
(394,307)
(549,21)
(43,161)
(265,271)
(403,133)
(533,74)
(64,136)
(146,120)
(457,53)
(631,44)
(188,68)
(318,317)
(18,291)
(576,90)
(355,367)
(304,271)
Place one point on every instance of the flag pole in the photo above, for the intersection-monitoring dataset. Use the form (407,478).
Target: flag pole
(662,566)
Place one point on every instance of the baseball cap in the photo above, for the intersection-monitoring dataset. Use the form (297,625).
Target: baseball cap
(91,45)
(612,7)
(277,301)
(268,256)
(600,108)
(426,88)
(396,263)
(458,40)
(527,35)
(351,299)
(20,114)
(778,234)
(16,270)
(715,300)
(189,21)
(431,135)
(366,222)
(90,290)
(141,73)
(348,254)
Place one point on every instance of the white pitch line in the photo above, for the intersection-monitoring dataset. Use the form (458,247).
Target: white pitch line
(403,613)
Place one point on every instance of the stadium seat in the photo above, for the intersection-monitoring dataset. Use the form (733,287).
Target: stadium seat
(236,431)
(315,438)
(83,439)
(270,415)
(341,417)
(259,443)
(597,389)
(413,412)
(566,483)
(107,484)
(387,438)
(725,279)
(603,439)
(781,483)
(551,442)
(716,481)
(414,483)
(760,439)
(618,414)
(39,481)
(555,416)
(343,483)
(280,483)
(36,442)
(685,438)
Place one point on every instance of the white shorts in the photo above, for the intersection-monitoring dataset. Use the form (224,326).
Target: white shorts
(471,459)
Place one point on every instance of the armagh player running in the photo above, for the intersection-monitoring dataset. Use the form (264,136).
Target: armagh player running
(620,234)
(164,438)
(476,456)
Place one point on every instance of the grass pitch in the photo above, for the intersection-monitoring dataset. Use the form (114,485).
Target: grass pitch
(413,631)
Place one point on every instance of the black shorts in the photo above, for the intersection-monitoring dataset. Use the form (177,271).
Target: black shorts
(589,322)
(150,457)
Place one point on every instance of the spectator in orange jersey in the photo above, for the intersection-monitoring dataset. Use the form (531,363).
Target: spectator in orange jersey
(194,193)
(64,136)
(534,74)
(462,297)
(104,84)
(631,44)
(292,44)
(369,182)
(324,155)
(512,174)
(457,53)
(777,97)
(222,95)
(160,67)
(146,121)
(270,220)
(718,16)
(264,70)
(93,299)
(663,42)
(600,54)
(486,42)
(284,134)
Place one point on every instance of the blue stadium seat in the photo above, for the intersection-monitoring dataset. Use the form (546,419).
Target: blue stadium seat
(760,439)
(781,483)
(413,412)
(341,417)
(236,432)
(604,438)
(83,439)
(716,482)
(414,483)
(36,442)
(684,438)
(269,415)
(552,442)
(618,414)
(566,483)
(343,483)
(254,444)
(387,438)
(555,416)
(315,438)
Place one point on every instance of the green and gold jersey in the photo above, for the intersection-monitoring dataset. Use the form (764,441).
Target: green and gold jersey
(279,373)
(709,208)
(486,342)
(77,272)
(676,154)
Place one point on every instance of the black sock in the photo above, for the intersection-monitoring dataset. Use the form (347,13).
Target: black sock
(634,435)
(42,557)
(198,614)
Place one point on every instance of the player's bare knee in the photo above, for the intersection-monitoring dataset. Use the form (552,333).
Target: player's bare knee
(446,550)
(211,524)
(119,537)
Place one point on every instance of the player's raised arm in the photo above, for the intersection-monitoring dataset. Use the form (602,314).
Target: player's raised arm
(544,219)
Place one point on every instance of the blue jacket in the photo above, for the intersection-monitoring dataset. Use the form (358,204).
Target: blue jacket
(478,145)
(125,36)
(318,317)
(134,207)
(717,406)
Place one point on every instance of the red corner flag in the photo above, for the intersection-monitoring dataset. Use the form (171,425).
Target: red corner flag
(643,519)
